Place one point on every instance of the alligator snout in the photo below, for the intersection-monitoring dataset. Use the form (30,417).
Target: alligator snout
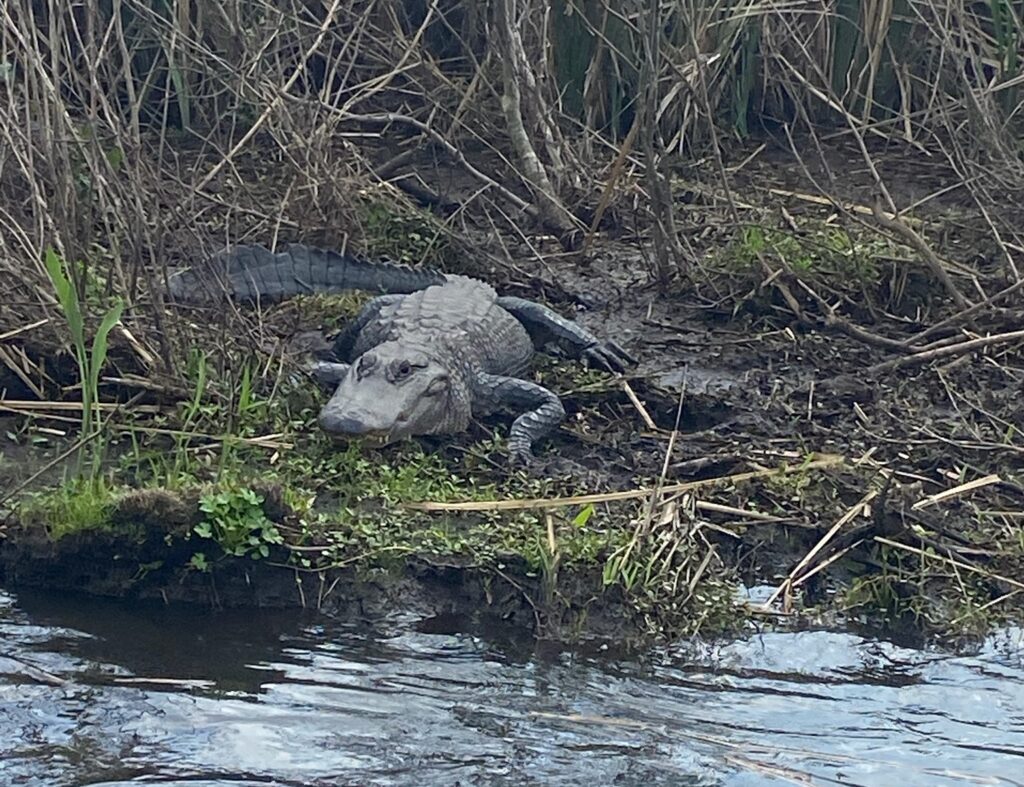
(353,423)
(334,422)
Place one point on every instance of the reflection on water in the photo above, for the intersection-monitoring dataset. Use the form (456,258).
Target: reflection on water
(111,694)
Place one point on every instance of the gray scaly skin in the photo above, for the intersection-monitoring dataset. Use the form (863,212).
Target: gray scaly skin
(424,357)
(258,275)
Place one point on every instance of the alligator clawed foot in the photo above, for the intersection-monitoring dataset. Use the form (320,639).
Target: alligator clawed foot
(610,356)
(534,467)
(549,467)
(522,459)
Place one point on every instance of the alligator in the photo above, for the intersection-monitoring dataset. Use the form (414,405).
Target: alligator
(424,356)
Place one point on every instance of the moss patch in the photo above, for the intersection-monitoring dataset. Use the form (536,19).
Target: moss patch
(817,250)
(400,232)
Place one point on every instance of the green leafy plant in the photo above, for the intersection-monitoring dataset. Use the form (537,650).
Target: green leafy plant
(406,236)
(90,360)
(236,521)
(199,562)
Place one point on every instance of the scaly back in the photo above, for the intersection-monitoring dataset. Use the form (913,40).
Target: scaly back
(460,318)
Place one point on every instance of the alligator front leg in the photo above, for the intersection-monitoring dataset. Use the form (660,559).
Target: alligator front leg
(327,373)
(546,325)
(544,410)
(346,340)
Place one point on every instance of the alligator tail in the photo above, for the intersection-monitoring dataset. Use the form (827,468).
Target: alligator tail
(254,273)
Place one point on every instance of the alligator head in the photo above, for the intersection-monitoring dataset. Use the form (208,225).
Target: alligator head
(391,393)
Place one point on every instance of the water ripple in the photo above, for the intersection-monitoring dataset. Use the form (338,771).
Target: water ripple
(178,697)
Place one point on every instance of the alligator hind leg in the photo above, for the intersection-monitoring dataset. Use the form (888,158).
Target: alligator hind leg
(349,335)
(546,325)
(544,410)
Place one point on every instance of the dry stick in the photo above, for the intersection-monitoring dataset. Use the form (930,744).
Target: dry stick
(850,207)
(957,491)
(513,62)
(23,329)
(966,313)
(915,240)
(631,494)
(29,405)
(609,187)
(942,352)
(856,509)
(648,421)
(276,100)
(946,341)
(828,562)
(719,508)
(8,359)
(833,320)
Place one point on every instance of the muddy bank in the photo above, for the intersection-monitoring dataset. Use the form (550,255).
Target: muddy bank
(742,374)
(860,541)
(145,551)
(853,542)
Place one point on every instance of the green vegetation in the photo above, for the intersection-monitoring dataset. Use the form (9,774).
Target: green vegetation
(818,251)
(235,519)
(330,312)
(90,360)
(77,505)
(401,233)
(917,590)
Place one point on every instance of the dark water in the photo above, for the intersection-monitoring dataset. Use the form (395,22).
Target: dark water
(196,698)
